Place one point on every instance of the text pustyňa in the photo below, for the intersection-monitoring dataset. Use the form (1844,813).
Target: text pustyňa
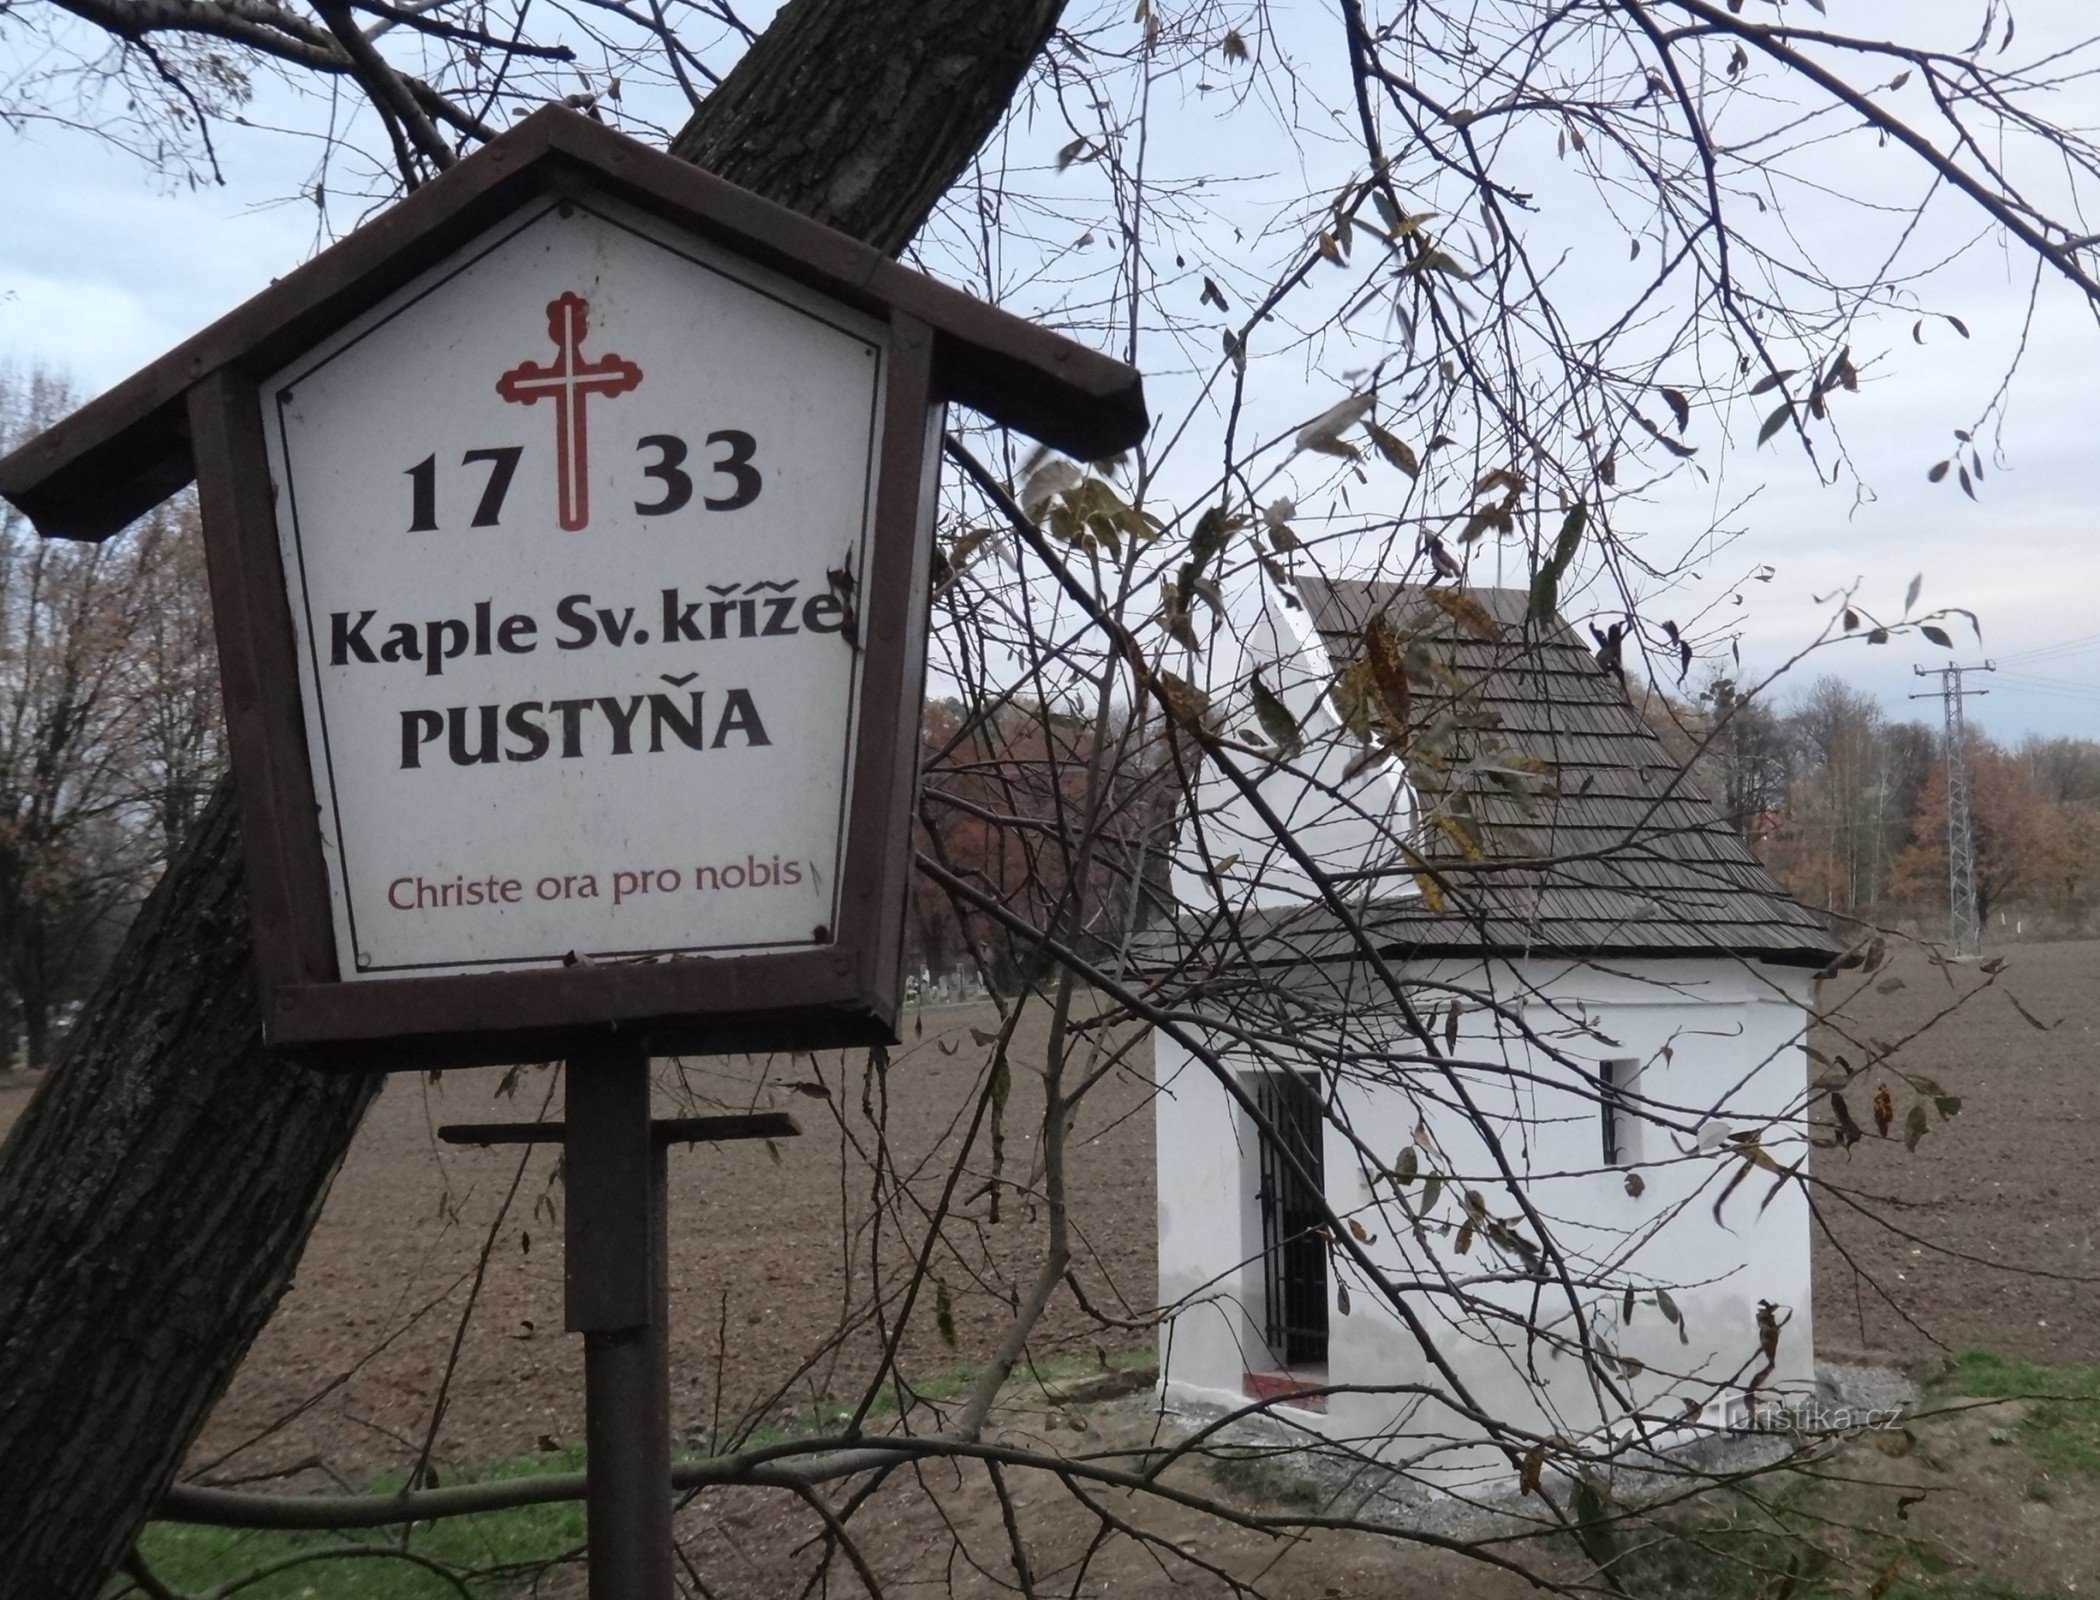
(569,728)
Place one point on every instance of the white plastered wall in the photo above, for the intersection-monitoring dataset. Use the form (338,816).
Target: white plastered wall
(1346,823)
(1710,1035)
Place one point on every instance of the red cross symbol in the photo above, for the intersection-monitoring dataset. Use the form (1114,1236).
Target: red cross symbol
(570,381)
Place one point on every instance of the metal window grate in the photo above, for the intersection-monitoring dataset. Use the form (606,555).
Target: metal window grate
(1614,1078)
(1294,1256)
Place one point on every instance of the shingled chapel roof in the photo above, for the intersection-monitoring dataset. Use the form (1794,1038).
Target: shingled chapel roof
(1607,850)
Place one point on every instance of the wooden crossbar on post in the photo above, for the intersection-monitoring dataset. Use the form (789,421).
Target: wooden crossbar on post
(617,1295)
(664,1130)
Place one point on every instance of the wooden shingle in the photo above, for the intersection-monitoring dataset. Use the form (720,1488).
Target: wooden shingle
(1615,853)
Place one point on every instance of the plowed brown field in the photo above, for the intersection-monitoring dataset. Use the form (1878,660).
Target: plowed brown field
(1994,1219)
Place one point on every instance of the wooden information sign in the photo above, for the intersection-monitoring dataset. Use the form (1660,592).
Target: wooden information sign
(568,529)
(569,534)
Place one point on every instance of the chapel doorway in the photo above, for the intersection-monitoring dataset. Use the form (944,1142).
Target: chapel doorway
(1294,1253)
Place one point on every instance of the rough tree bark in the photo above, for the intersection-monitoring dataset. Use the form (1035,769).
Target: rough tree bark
(157,1192)
(153,1201)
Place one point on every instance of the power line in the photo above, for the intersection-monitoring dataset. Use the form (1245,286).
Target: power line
(1964,920)
(2061,688)
(2084,644)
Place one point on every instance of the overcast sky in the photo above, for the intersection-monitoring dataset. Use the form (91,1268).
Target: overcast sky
(103,266)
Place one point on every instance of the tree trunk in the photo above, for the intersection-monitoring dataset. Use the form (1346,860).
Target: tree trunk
(155,1195)
(862,114)
(157,1192)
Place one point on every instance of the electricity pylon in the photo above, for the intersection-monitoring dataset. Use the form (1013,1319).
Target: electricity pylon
(1964,922)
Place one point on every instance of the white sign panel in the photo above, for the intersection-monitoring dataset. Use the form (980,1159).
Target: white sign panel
(573,528)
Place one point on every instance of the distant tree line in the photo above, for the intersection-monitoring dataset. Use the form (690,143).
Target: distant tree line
(1849,807)
(1845,803)
(1009,790)
(109,736)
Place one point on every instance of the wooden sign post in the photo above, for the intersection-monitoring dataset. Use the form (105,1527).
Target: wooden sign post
(569,531)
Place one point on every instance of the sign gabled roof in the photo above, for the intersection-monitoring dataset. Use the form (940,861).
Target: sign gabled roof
(123,453)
